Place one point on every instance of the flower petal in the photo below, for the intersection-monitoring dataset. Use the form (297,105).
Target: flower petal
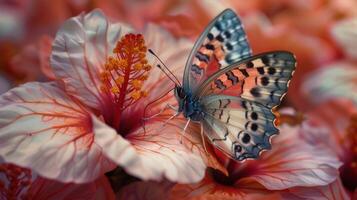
(154,154)
(43,129)
(79,52)
(345,34)
(333,191)
(209,189)
(173,52)
(334,81)
(293,162)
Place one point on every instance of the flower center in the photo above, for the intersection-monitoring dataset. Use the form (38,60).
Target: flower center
(15,181)
(124,74)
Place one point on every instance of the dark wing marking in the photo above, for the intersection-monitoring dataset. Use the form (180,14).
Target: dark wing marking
(240,128)
(263,78)
(222,43)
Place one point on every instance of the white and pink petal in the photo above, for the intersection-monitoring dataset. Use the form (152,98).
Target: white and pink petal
(332,191)
(155,154)
(79,52)
(333,81)
(293,162)
(43,129)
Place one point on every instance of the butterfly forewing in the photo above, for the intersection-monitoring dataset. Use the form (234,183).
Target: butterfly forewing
(222,43)
(238,127)
(263,79)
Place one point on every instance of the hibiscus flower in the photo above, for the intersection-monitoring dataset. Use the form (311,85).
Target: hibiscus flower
(332,125)
(88,121)
(293,169)
(291,163)
(336,80)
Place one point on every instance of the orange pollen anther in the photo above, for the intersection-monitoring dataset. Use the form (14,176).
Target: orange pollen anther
(124,72)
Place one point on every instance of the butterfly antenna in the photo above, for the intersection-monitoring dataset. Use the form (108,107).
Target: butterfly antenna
(176,83)
(177,80)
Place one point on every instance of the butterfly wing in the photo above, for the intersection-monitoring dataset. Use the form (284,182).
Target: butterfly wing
(222,43)
(263,79)
(240,128)
(237,103)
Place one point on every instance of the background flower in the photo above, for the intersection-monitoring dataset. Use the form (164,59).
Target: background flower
(319,32)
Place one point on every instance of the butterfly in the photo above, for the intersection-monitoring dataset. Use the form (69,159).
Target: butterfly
(230,92)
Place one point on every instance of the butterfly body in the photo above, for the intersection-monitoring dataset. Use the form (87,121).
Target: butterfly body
(190,107)
(230,91)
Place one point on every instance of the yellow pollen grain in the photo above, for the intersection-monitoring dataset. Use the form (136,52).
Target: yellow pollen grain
(104,76)
(122,63)
(142,55)
(119,80)
(115,90)
(138,66)
(144,77)
(136,83)
(147,67)
(136,95)
(144,61)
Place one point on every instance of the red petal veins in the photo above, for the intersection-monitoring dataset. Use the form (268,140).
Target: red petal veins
(43,129)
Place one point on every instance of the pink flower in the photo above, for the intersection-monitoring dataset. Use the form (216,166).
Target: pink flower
(332,89)
(291,163)
(344,32)
(21,183)
(336,80)
(292,168)
(88,120)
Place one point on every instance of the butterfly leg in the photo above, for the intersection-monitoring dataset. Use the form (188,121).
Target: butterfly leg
(203,138)
(157,114)
(173,116)
(161,111)
(184,130)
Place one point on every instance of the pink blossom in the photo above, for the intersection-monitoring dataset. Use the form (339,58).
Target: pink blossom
(293,168)
(78,127)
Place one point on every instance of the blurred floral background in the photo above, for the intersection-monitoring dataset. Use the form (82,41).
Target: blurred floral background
(314,157)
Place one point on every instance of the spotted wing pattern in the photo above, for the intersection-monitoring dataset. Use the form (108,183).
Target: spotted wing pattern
(222,43)
(238,101)
(240,128)
(262,79)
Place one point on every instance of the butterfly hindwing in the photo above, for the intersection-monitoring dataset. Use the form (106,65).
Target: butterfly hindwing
(263,79)
(238,127)
(222,43)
